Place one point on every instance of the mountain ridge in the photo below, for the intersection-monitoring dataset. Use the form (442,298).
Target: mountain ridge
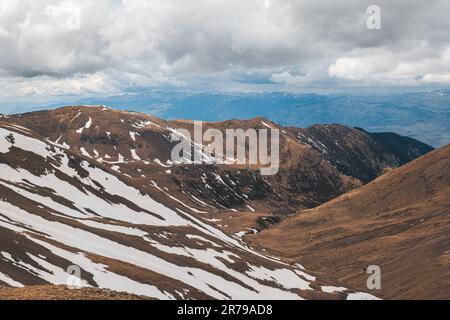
(74,192)
(59,209)
(421,115)
(398,221)
(113,134)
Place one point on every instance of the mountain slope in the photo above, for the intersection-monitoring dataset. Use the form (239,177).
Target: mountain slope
(317,163)
(95,187)
(58,209)
(399,222)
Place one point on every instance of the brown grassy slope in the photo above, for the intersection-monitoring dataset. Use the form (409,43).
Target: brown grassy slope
(50,292)
(400,222)
(317,163)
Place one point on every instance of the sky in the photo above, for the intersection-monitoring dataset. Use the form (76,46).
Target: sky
(52,48)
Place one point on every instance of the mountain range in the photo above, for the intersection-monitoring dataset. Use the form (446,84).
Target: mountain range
(95,187)
(423,115)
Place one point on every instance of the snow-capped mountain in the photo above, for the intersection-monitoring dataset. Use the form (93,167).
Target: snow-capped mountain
(95,188)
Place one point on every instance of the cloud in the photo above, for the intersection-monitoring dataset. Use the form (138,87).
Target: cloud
(78,84)
(382,66)
(443,78)
(147,43)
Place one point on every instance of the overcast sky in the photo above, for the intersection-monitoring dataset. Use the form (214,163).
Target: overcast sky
(82,47)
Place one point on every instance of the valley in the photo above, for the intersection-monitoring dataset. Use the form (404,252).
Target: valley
(96,188)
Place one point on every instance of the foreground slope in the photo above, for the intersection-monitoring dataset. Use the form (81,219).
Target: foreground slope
(58,209)
(51,292)
(399,222)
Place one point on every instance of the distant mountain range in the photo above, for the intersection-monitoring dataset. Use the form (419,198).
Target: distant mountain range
(421,115)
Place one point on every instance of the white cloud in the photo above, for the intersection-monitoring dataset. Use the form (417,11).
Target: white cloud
(443,78)
(49,86)
(67,11)
(351,68)
(170,42)
(394,68)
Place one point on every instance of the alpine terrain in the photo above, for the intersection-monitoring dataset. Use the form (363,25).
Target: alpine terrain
(95,188)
